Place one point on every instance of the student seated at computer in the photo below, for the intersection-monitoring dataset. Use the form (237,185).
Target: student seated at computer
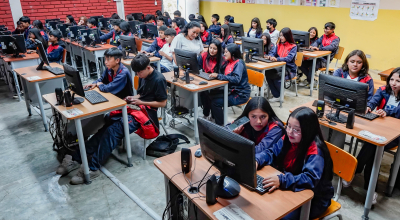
(328,42)
(115,16)
(387,103)
(272,31)
(229,19)
(210,62)
(157,44)
(285,51)
(39,25)
(92,24)
(83,21)
(20,29)
(165,52)
(304,160)
(234,71)
(225,36)
(26,24)
(268,45)
(166,14)
(214,28)
(355,67)
(256,30)
(160,22)
(119,28)
(174,25)
(34,34)
(150,19)
(264,127)
(130,17)
(116,78)
(313,34)
(56,46)
(178,14)
(70,20)
(204,35)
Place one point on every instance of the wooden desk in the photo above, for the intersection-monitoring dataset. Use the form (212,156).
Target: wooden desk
(89,110)
(385,74)
(268,206)
(313,56)
(238,42)
(25,74)
(380,126)
(263,66)
(169,76)
(377,84)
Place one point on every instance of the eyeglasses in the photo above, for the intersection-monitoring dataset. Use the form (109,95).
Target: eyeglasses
(294,130)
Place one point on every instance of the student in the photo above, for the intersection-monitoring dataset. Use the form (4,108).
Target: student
(285,51)
(304,160)
(264,127)
(158,13)
(39,25)
(201,18)
(70,20)
(271,30)
(177,14)
(115,16)
(150,19)
(152,93)
(116,79)
(225,36)
(56,46)
(20,28)
(34,34)
(229,19)
(328,42)
(355,67)
(166,14)
(387,103)
(166,62)
(26,24)
(83,21)
(204,35)
(191,17)
(313,34)
(157,44)
(129,18)
(92,24)
(174,25)
(210,62)
(268,45)
(232,70)
(214,28)
(255,31)
(119,28)
(160,22)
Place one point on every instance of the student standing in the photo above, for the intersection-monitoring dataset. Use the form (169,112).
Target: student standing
(271,30)
(234,71)
(225,36)
(255,31)
(166,62)
(355,67)
(34,34)
(285,51)
(26,24)
(214,28)
(177,14)
(157,44)
(268,45)
(174,25)
(39,25)
(304,160)
(70,20)
(204,35)
(56,46)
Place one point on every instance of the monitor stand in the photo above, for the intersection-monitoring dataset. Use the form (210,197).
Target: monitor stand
(337,117)
(249,59)
(125,55)
(41,66)
(17,55)
(183,78)
(77,100)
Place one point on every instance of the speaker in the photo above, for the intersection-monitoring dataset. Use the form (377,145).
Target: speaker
(211,192)
(68,98)
(350,119)
(186,160)
(176,72)
(320,108)
(59,96)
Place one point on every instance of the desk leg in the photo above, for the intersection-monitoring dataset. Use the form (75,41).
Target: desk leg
(85,73)
(282,86)
(263,86)
(393,174)
(16,84)
(373,180)
(327,64)
(167,194)
(159,66)
(225,104)
(82,150)
(71,54)
(314,63)
(127,138)
(97,66)
(46,128)
(196,115)
(164,116)
(133,81)
(27,98)
(305,210)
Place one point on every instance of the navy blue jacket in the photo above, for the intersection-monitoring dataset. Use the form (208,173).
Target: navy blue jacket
(364,79)
(286,52)
(155,47)
(272,134)
(258,35)
(55,52)
(30,45)
(229,41)
(114,36)
(214,28)
(379,101)
(119,84)
(236,73)
(325,43)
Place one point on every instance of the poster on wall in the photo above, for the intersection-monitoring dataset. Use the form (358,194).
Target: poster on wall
(251,1)
(322,3)
(309,2)
(334,3)
(293,2)
(281,2)
(366,10)
(270,2)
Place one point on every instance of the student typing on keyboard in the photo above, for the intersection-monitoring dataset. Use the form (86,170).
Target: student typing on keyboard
(116,79)
(152,93)
(304,160)
(387,102)
(56,46)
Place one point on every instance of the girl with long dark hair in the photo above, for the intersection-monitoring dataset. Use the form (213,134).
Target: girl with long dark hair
(256,30)
(313,34)
(204,35)
(268,45)
(166,14)
(304,160)
(39,25)
(70,20)
(34,34)
(225,36)
(234,71)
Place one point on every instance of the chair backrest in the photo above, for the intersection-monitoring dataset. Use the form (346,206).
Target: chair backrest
(344,164)
(299,59)
(64,56)
(139,44)
(255,78)
(136,82)
(108,41)
(339,53)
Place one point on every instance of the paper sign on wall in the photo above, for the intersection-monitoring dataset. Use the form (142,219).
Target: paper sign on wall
(281,2)
(366,10)
(322,3)
(293,2)
(334,3)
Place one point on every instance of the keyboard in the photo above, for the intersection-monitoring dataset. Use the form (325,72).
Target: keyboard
(259,188)
(370,116)
(55,70)
(262,59)
(306,49)
(205,76)
(94,97)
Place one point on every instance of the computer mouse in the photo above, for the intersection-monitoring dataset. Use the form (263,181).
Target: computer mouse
(203,83)
(198,153)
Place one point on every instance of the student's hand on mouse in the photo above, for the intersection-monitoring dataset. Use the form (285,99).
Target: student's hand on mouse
(214,75)
(381,113)
(368,110)
(272,58)
(272,181)
(239,129)
(99,83)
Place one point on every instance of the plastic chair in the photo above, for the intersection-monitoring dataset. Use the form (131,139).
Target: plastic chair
(344,165)
(108,41)
(298,62)
(64,56)
(139,44)
(338,56)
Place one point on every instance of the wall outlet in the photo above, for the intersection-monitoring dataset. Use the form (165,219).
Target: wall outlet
(155,2)
(368,56)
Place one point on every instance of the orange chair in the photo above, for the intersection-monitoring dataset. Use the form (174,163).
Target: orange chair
(108,41)
(298,62)
(64,56)
(344,165)
(338,56)
(139,44)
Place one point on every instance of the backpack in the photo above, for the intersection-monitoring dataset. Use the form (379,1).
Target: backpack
(165,144)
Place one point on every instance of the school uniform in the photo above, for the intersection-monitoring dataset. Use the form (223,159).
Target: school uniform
(55,51)
(284,52)
(309,178)
(238,88)
(26,32)
(274,35)
(114,36)
(265,138)
(205,38)
(165,64)
(44,35)
(254,33)
(178,30)
(364,79)
(271,48)
(30,45)
(157,44)
(229,41)
(387,102)
(216,29)
(312,40)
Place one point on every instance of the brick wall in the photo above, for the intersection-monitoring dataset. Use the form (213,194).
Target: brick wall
(142,6)
(5,15)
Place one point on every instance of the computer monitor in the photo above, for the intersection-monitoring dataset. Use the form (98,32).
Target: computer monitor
(143,29)
(97,17)
(302,38)
(1,26)
(252,47)
(89,37)
(232,154)
(138,16)
(42,55)
(152,31)
(53,25)
(74,83)
(63,29)
(18,45)
(236,30)
(5,41)
(73,32)
(3,29)
(5,32)
(342,94)
(187,61)
(103,23)
(46,21)
(128,45)
(134,26)
(95,36)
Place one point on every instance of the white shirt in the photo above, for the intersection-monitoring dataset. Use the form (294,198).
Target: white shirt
(252,33)
(164,61)
(354,79)
(180,42)
(391,104)
(274,35)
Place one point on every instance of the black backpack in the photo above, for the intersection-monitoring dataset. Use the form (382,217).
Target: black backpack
(165,144)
